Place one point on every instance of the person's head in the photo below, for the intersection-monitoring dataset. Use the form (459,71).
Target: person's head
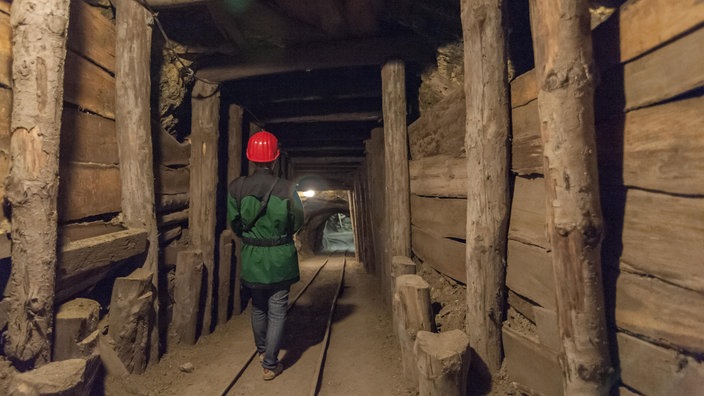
(263,149)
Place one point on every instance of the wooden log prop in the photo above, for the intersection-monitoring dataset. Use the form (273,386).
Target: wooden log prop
(39,50)
(397,196)
(442,361)
(131,319)
(75,321)
(187,296)
(225,271)
(412,312)
(134,136)
(234,142)
(66,377)
(204,168)
(402,265)
(486,137)
(563,58)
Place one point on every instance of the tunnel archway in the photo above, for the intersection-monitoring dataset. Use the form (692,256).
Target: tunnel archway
(318,213)
(336,235)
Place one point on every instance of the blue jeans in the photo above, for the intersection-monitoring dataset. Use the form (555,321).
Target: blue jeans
(268,319)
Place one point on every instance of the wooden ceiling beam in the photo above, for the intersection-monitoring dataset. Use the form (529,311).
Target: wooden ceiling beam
(336,117)
(363,52)
(316,107)
(297,134)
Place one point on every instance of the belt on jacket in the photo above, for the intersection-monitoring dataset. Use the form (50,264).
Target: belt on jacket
(283,240)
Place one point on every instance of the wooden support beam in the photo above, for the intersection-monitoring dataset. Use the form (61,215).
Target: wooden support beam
(412,313)
(131,316)
(187,295)
(397,197)
(372,51)
(234,170)
(225,268)
(203,184)
(333,117)
(443,361)
(563,59)
(486,137)
(134,137)
(32,186)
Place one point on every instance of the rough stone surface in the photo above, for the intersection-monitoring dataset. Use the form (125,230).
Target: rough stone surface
(65,378)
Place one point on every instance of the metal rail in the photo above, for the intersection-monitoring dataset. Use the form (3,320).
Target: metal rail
(290,305)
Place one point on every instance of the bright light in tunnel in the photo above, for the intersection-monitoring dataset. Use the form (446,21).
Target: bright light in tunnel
(309,193)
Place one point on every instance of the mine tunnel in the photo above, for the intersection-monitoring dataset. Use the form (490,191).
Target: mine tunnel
(498,197)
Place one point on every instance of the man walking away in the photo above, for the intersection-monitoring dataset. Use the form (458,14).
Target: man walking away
(265,212)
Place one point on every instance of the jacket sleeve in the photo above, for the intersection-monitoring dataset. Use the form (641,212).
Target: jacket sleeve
(296,213)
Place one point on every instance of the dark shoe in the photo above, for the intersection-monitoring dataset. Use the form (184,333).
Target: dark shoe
(271,374)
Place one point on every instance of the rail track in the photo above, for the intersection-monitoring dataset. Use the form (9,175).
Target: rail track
(316,375)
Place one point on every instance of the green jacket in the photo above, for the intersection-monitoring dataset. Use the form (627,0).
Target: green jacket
(269,257)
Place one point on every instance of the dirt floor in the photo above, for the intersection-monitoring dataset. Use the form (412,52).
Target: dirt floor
(363,358)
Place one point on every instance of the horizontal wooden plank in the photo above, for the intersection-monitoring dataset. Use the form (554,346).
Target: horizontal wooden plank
(88,86)
(526,144)
(528,217)
(91,34)
(523,89)
(88,190)
(168,151)
(168,202)
(529,273)
(656,148)
(76,231)
(441,129)
(645,82)
(82,263)
(439,176)
(547,328)
(663,236)
(521,305)
(639,26)
(5,50)
(444,255)
(653,370)
(531,364)
(172,180)
(88,138)
(665,313)
(446,217)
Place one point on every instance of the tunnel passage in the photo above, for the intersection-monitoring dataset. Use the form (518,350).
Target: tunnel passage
(327,226)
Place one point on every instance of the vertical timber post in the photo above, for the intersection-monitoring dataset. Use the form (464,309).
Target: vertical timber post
(397,198)
(203,184)
(235,130)
(486,139)
(134,137)
(564,73)
(39,51)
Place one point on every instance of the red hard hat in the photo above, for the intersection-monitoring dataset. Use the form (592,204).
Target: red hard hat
(263,146)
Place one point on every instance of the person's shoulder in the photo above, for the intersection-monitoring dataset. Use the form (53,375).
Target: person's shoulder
(235,184)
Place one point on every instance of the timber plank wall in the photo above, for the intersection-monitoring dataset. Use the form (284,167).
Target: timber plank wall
(651,163)
(89,189)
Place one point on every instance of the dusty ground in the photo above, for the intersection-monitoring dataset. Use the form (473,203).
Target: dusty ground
(363,358)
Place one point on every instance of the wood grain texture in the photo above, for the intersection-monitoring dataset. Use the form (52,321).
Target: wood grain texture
(640,26)
(526,146)
(169,152)
(88,138)
(88,86)
(83,262)
(529,273)
(531,364)
(528,217)
(439,176)
(88,190)
(665,313)
(172,181)
(91,34)
(444,217)
(523,89)
(651,369)
(663,236)
(204,166)
(5,50)
(444,255)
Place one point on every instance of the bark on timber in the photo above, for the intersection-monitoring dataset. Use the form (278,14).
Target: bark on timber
(564,69)
(39,30)
(486,136)
(203,182)
(134,137)
(397,196)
